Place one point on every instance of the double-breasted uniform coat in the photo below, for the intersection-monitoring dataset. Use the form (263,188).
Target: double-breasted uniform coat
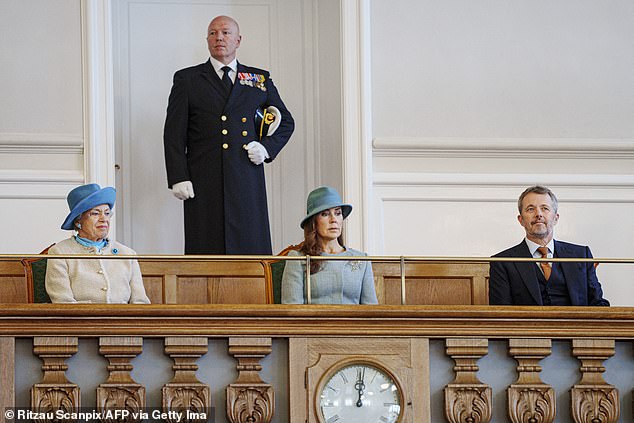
(206,130)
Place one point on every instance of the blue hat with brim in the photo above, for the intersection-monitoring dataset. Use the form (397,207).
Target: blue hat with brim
(84,198)
(324,198)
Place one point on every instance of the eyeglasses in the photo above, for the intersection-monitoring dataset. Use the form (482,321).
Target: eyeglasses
(97,213)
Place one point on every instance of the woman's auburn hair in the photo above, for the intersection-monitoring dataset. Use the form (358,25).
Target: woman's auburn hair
(312,244)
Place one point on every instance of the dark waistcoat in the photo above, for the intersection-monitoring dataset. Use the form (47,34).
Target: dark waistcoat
(554,291)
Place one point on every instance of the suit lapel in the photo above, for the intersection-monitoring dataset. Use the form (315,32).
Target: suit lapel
(210,75)
(528,271)
(569,270)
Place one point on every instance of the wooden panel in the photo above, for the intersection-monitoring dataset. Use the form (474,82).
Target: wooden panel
(238,291)
(154,289)
(12,282)
(7,375)
(429,291)
(432,283)
(206,282)
(192,291)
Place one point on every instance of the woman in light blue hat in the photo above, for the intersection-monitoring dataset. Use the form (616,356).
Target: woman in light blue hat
(332,281)
(92,280)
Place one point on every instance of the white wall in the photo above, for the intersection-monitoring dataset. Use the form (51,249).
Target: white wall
(474,101)
(41,119)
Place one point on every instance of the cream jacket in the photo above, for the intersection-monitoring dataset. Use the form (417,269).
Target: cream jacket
(94,280)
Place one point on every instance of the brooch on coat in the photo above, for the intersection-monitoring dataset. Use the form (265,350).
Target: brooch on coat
(355,265)
(252,80)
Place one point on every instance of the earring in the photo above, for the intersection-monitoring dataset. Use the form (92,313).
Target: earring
(78,225)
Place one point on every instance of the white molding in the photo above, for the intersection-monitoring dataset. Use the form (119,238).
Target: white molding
(38,143)
(312,130)
(38,184)
(356,122)
(99,157)
(490,188)
(395,179)
(522,148)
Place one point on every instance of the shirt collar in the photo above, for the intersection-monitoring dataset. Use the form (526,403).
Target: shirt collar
(218,65)
(532,247)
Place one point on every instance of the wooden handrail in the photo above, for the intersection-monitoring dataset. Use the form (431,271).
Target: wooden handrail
(223,320)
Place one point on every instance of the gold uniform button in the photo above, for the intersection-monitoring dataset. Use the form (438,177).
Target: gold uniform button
(223,118)
(225,146)
(244,146)
(104,289)
(100,271)
(244,119)
(245,133)
(225,132)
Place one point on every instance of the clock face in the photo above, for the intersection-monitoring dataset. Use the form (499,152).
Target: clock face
(360,392)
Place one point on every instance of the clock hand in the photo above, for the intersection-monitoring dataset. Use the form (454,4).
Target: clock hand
(360,386)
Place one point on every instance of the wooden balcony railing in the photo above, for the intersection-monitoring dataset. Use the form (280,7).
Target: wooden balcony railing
(296,346)
(194,348)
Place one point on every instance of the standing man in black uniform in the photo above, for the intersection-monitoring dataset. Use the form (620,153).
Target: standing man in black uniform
(213,152)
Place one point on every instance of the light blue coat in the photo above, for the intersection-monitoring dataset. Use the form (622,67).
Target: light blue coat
(338,282)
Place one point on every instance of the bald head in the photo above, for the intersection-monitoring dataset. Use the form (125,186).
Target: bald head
(223,38)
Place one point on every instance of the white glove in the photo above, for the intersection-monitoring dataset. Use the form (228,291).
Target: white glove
(257,152)
(183,190)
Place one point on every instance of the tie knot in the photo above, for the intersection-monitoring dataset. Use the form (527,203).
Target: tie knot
(226,70)
(543,251)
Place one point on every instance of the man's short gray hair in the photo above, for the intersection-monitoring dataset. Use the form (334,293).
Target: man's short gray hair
(538,189)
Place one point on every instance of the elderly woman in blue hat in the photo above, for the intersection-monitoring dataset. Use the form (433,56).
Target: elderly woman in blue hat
(332,281)
(92,281)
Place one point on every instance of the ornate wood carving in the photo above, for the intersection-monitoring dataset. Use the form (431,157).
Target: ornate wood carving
(593,399)
(185,392)
(529,399)
(54,392)
(120,391)
(249,398)
(467,400)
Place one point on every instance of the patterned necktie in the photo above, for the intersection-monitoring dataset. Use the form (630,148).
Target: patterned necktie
(544,264)
(226,80)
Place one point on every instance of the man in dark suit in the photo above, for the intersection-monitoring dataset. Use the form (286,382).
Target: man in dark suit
(213,150)
(544,283)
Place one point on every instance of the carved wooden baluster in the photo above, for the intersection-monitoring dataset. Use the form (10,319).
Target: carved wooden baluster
(120,391)
(249,399)
(185,394)
(54,392)
(467,400)
(593,399)
(530,399)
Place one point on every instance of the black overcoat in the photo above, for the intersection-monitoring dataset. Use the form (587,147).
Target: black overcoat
(206,129)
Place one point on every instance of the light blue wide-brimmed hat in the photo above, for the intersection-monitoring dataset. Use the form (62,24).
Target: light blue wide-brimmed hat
(324,198)
(84,198)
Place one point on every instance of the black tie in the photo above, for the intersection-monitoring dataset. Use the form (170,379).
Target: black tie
(226,80)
